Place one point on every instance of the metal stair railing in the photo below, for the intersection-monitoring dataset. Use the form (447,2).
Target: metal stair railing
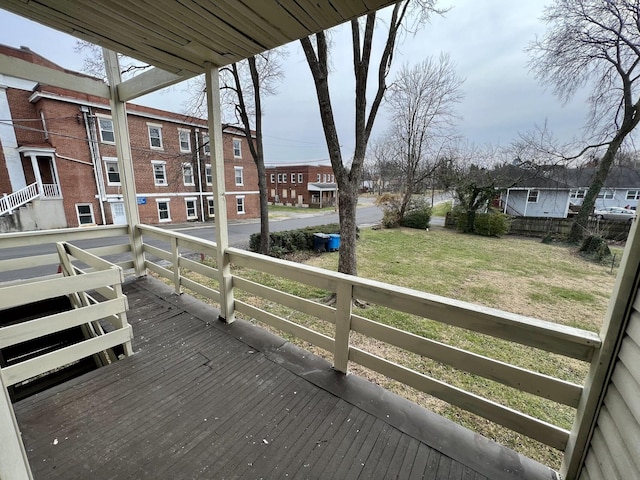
(15,200)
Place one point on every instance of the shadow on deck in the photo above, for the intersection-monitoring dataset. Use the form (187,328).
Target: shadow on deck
(204,400)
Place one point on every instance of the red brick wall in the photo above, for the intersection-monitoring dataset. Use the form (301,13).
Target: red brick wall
(309,175)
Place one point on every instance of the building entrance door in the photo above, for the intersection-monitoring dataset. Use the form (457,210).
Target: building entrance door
(118,214)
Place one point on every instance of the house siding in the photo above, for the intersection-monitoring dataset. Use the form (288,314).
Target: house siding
(614,452)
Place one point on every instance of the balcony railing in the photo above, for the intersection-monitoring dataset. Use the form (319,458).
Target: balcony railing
(177,257)
(574,343)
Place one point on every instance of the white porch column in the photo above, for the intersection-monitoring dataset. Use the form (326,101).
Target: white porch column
(125,161)
(9,143)
(36,172)
(217,171)
(13,458)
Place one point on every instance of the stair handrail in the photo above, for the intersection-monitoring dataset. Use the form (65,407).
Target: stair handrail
(12,201)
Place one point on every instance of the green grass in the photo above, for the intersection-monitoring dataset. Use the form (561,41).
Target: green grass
(524,276)
(441,209)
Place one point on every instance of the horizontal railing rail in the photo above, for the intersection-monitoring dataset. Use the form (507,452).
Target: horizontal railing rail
(12,201)
(12,247)
(554,338)
(89,313)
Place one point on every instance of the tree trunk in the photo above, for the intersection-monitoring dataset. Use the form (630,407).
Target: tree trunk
(579,226)
(347,202)
(264,209)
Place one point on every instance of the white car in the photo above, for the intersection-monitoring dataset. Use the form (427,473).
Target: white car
(617,214)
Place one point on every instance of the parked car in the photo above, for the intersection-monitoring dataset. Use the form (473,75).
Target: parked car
(617,214)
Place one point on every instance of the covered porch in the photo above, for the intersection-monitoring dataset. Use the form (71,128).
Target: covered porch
(606,405)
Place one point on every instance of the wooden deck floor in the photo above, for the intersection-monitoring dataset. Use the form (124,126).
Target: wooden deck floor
(203,400)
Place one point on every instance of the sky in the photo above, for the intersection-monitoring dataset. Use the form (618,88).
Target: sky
(486,40)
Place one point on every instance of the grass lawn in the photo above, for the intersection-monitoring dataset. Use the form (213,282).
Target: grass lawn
(519,275)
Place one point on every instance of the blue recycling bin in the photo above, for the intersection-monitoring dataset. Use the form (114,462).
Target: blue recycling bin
(320,242)
(334,242)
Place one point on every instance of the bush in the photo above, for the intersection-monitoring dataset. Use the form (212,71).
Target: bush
(491,224)
(418,214)
(290,241)
(595,248)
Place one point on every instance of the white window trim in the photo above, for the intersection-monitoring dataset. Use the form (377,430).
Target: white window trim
(273,178)
(300,178)
(537,193)
(635,196)
(244,210)
(159,127)
(188,132)
(210,199)
(106,117)
(206,144)
(235,176)
(164,168)
(93,218)
(193,178)
(107,161)
(233,147)
(293,178)
(208,178)
(195,207)
(168,202)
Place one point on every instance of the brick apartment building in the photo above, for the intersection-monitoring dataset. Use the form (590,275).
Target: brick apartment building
(57,149)
(302,185)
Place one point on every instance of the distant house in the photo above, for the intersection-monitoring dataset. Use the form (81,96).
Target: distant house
(553,192)
(302,185)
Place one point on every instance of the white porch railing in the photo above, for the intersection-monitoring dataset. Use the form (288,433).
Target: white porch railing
(558,339)
(103,278)
(51,190)
(8,203)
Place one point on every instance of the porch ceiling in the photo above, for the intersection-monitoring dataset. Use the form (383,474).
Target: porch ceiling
(181,36)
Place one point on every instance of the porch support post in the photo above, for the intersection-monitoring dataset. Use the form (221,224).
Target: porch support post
(612,332)
(344,296)
(13,457)
(36,172)
(125,162)
(220,201)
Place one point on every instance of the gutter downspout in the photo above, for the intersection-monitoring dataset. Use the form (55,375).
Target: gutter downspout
(97,171)
(200,192)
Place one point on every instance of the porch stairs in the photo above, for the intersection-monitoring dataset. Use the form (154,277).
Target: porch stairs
(15,200)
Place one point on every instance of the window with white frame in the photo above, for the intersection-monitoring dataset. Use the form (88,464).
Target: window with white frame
(85,214)
(324,178)
(578,193)
(533,196)
(190,204)
(159,172)
(185,140)
(155,136)
(206,144)
(300,178)
(164,214)
(187,174)
(240,204)
(112,169)
(237,148)
(633,194)
(606,194)
(105,126)
(319,177)
(239,176)
(273,178)
(211,207)
(293,178)
(208,174)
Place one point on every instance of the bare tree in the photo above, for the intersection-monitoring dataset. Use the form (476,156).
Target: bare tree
(243,85)
(348,177)
(93,63)
(422,101)
(595,43)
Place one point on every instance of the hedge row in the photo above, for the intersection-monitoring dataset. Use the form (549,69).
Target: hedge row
(290,241)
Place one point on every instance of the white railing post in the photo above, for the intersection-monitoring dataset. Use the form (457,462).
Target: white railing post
(175,258)
(13,457)
(344,298)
